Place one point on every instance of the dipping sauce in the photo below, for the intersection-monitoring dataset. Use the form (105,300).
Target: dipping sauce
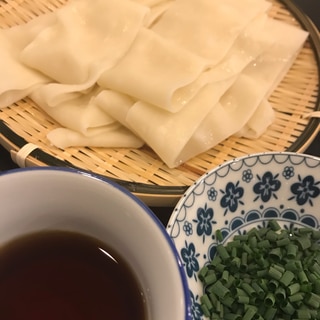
(64,276)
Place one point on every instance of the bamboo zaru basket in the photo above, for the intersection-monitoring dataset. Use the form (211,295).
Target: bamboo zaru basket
(140,170)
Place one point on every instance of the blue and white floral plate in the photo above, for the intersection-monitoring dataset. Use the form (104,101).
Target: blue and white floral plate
(238,195)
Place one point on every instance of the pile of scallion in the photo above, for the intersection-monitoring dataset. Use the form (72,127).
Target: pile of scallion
(266,273)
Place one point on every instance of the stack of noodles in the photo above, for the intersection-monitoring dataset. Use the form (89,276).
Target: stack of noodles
(180,76)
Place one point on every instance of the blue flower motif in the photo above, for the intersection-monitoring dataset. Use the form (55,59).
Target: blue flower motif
(267,186)
(304,190)
(247,175)
(189,256)
(195,307)
(291,227)
(288,172)
(231,198)
(212,194)
(187,228)
(263,224)
(204,221)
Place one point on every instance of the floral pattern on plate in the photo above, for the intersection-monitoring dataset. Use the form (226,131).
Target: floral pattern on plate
(237,196)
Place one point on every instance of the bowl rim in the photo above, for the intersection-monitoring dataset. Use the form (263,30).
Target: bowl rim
(180,205)
(142,205)
(181,201)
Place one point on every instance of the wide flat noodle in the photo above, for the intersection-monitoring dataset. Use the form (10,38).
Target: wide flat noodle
(153,70)
(149,3)
(82,36)
(238,105)
(157,8)
(247,47)
(226,118)
(18,80)
(182,75)
(81,114)
(86,123)
(262,118)
(180,136)
(115,104)
(162,81)
(208,27)
(167,133)
(250,43)
(56,93)
(156,12)
(280,55)
(115,137)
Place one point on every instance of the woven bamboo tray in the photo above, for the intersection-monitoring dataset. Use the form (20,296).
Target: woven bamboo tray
(140,170)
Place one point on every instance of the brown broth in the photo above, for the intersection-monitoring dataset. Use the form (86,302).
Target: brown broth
(64,276)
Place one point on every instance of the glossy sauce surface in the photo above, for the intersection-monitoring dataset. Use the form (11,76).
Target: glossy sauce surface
(64,275)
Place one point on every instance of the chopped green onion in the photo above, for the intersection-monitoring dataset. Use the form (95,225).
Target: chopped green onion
(230,282)
(292,250)
(274,225)
(312,300)
(247,248)
(213,298)
(241,237)
(260,292)
(287,278)
(270,313)
(223,253)
(205,300)
(205,310)
(244,261)
(203,272)
(262,273)
(287,308)
(219,235)
(303,277)
(232,316)
(243,299)
(316,234)
(315,267)
(268,273)
(253,241)
(304,314)
(296,297)
(283,242)
(228,301)
(225,277)
(248,289)
(306,287)
(273,284)
(216,260)
(220,267)
(250,313)
(269,300)
(234,252)
(271,235)
(304,242)
(275,254)
(293,288)
(219,289)
(236,262)
(264,244)
(316,286)
(209,278)
(280,294)
(293,265)
(274,273)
